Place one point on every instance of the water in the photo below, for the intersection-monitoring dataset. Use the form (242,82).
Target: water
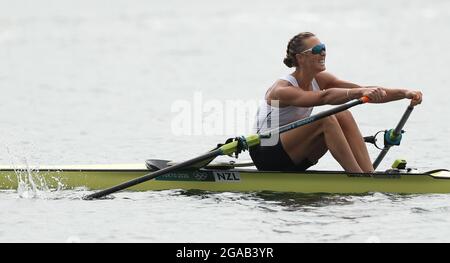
(94,82)
(175,216)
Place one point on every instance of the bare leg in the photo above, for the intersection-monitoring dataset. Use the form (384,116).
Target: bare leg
(355,140)
(319,149)
(301,142)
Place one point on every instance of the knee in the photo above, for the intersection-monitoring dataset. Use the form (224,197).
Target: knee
(344,114)
(329,122)
(346,119)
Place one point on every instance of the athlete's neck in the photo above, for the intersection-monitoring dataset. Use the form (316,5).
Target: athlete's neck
(303,77)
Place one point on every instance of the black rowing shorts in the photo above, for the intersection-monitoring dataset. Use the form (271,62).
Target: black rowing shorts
(275,158)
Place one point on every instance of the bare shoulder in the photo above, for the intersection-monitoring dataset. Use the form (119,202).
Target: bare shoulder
(281,83)
(325,79)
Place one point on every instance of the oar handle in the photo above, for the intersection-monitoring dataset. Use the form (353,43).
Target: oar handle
(364,99)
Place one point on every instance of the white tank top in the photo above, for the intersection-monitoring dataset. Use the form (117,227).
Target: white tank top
(266,115)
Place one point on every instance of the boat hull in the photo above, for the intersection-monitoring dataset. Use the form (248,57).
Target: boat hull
(233,180)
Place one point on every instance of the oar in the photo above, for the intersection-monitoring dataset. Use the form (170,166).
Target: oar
(393,137)
(226,149)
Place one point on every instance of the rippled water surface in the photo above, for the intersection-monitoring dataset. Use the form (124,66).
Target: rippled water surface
(86,82)
(178,216)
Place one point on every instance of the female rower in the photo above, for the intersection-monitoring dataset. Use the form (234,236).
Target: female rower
(293,97)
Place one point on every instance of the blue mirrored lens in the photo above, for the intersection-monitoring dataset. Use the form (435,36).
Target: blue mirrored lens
(318,49)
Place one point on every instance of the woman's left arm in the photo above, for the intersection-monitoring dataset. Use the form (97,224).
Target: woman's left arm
(398,94)
(327,80)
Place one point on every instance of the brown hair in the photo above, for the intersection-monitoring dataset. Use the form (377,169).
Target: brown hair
(295,46)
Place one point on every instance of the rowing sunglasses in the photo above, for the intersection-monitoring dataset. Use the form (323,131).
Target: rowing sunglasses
(317,49)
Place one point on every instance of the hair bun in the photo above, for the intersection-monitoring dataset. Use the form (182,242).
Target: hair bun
(288,62)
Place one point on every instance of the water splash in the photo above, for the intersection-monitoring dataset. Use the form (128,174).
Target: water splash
(31,183)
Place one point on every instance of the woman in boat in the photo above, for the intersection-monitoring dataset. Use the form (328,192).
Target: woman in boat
(293,97)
